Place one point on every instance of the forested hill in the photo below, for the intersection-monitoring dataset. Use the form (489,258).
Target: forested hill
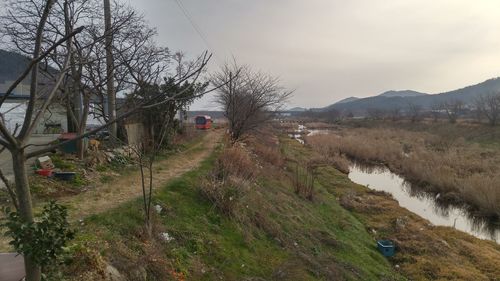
(388,102)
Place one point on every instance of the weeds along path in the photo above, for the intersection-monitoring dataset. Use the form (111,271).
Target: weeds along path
(124,188)
(127,187)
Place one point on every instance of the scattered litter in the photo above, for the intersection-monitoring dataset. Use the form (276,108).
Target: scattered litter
(45,163)
(166,237)
(401,222)
(158,208)
(396,266)
(65,176)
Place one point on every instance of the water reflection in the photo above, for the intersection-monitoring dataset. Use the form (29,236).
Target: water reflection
(424,204)
(314,132)
(297,137)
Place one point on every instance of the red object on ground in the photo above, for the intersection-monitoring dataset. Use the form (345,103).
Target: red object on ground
(44,172)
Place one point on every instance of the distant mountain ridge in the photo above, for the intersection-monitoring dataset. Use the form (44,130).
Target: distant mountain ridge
(401,99)
(349,99)
(405,93)
(297,109)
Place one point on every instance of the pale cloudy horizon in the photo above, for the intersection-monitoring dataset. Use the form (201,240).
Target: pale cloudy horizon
(328,50)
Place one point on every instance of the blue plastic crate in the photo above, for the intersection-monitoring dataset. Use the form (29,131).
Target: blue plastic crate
(386,247)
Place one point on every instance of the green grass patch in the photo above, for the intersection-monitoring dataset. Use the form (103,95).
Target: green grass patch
(295,239)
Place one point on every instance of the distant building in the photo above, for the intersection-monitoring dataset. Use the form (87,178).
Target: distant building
(53,121)
(21,89)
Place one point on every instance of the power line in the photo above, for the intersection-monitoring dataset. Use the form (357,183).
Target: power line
(198,30)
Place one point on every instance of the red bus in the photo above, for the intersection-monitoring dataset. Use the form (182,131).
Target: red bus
(203,122)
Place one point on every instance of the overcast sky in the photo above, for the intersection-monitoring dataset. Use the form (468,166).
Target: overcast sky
(332,49)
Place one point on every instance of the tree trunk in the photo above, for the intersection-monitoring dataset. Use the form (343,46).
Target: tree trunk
(113,128)
(33,271)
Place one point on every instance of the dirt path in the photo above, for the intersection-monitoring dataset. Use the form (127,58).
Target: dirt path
(126,188)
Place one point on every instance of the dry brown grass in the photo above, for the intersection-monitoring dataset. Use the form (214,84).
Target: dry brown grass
(230,179)
(329,154)
(424,252)
(266,147)
(459,170)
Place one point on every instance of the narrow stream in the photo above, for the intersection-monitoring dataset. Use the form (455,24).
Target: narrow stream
(413,198)
(422,203)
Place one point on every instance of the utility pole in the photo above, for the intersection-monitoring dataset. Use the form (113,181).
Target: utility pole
(113,128)
(178,58)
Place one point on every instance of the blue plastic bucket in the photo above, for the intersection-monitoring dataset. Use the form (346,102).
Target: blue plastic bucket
(386,247)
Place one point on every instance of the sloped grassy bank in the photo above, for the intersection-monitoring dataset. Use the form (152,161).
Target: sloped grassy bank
(424,251)
(260,230)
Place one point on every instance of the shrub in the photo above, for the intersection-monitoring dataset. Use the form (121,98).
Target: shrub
(230,179)
(43,240)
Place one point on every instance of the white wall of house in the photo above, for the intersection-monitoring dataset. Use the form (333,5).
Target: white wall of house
(14,112)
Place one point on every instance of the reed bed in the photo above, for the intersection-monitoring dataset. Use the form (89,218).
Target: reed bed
(461,171)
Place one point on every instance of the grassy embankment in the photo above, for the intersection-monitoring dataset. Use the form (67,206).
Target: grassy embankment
(259,229)
(425,252)
(459,161)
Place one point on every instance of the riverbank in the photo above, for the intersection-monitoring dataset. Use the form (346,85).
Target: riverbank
(421,203)
(328,233)
(462,170)
(424,251)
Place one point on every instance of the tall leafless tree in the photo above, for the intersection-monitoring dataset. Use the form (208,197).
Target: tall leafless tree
(453,109)
(488,106)
(414,112)
(435,112)
(249,98)
(111,94)
(45,43)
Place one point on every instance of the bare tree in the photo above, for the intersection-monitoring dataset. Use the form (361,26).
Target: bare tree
(160,124)
(45,43)
(453,109)
(249,98)
(136,57)
(436,111)
(15,142)
(414,112)
(489,107)
(111,94)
